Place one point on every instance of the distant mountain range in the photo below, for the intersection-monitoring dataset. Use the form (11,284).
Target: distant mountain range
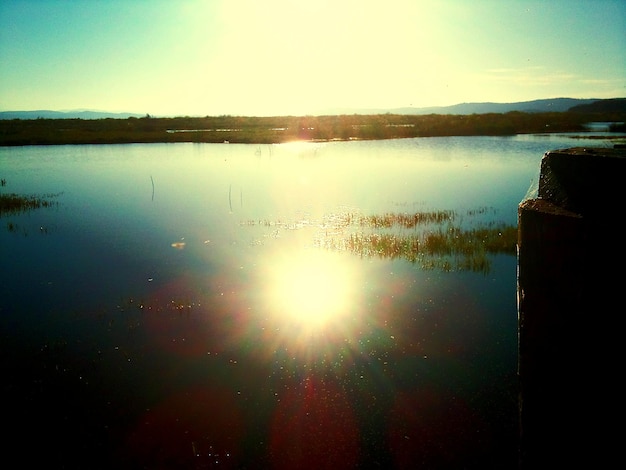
(534,106)
(76,114)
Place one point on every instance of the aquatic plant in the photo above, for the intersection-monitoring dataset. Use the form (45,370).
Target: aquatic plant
(15,203)
(407,220)
(437,240)
(448,249)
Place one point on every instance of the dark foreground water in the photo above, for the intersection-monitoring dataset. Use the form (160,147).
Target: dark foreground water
(176,307)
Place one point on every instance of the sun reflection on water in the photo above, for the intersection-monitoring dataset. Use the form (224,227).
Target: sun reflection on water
(311,291)
(312,298)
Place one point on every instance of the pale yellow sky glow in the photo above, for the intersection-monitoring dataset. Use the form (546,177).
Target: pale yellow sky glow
(197,57)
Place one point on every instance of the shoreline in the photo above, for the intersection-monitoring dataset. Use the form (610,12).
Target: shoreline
(283,129)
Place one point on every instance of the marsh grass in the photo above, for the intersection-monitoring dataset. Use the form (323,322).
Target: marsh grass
(16,203)
(433,240)
(13,204)
(405,220)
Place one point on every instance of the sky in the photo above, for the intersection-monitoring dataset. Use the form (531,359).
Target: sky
(298,57)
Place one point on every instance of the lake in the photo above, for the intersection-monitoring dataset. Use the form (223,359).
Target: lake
(231,305)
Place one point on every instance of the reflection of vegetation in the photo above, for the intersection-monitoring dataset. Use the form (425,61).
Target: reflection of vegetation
(431,239)
(242,129)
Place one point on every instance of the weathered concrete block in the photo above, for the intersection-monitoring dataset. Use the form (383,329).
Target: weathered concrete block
(570,282)
(589,181)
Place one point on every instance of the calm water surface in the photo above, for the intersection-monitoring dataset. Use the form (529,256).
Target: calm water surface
(176,310)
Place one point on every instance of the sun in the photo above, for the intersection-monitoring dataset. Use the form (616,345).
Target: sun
(310,291)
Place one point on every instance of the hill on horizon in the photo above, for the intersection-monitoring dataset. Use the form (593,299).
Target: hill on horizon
(76,114)
(533,106)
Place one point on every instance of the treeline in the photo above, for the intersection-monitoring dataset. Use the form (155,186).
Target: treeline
(242,129)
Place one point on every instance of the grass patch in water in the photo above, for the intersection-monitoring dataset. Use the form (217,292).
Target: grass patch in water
(15,203)
(450,249)
(405,220)
(12,204)
(432,239)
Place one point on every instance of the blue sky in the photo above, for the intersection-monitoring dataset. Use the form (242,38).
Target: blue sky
(248,57)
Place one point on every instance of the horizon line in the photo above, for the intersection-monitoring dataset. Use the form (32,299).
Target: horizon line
(329,112)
